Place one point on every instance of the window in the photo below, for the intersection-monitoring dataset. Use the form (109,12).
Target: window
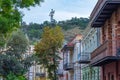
(112,77)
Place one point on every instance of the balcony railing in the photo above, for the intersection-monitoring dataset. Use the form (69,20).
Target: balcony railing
(60,72)
(84,58)
(108,51)
(39,74)
(68,66)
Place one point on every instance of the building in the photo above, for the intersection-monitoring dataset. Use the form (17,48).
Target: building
(40,73)
(35,72)
(60,71)
(89,42)
(70,63)
(77,50)
(106,16)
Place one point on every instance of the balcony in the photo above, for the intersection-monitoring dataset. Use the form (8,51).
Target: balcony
(102,11)
(60,72)
(106,53)
(40,74)
(68,66)
(84,58)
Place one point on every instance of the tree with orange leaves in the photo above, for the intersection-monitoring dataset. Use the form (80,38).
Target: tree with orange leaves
(47,49)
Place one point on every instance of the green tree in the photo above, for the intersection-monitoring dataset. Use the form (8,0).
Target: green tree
(46,49)
(13,60)
(10,16)
(11,76)
(33,30)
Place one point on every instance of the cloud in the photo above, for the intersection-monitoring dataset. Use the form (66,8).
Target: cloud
(64,9)
(63,15)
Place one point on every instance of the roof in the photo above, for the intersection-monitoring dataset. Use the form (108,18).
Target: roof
(72,42)
(103,11)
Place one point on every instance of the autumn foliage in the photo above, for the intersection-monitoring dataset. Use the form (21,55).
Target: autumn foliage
(51,38)
(47,48)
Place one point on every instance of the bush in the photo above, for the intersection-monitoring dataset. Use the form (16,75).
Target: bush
(12,76)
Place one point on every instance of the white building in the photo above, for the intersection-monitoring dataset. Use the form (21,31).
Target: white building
(70,59)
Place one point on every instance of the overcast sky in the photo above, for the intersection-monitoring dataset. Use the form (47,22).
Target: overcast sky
(64,9)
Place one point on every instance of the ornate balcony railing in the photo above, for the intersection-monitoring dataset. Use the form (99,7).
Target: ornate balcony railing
(108,51)
(40,74)
(68,66)
(84,58)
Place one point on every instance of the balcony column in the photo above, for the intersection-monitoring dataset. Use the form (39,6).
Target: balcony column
(102,74)
(103,34)
(108,37)
(115,23)
(68,57)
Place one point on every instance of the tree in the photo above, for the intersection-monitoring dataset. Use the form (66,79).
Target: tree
(33,30)
(10,16)
(12,61)
(11,76)
(46,49)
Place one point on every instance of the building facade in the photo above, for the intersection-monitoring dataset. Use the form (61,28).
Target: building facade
(68,65)
(70,59)
(106,16)
(60,70)
(77,49)
(35,72)
(89,42)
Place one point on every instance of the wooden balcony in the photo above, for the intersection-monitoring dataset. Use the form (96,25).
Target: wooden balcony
(68,66)
(105,53)
(102,11)
(84,58)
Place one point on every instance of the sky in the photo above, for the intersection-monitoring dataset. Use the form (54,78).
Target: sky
(64,10)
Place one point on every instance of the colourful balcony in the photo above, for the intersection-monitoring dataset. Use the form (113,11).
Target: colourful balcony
(106,53)
(68,66)
(84,58)
(102,11)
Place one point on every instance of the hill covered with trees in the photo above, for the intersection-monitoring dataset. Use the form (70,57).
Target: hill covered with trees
(74,22)
(70,28)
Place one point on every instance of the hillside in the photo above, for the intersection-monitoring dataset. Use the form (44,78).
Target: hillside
(70,28)
(81,23)
(70,33)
